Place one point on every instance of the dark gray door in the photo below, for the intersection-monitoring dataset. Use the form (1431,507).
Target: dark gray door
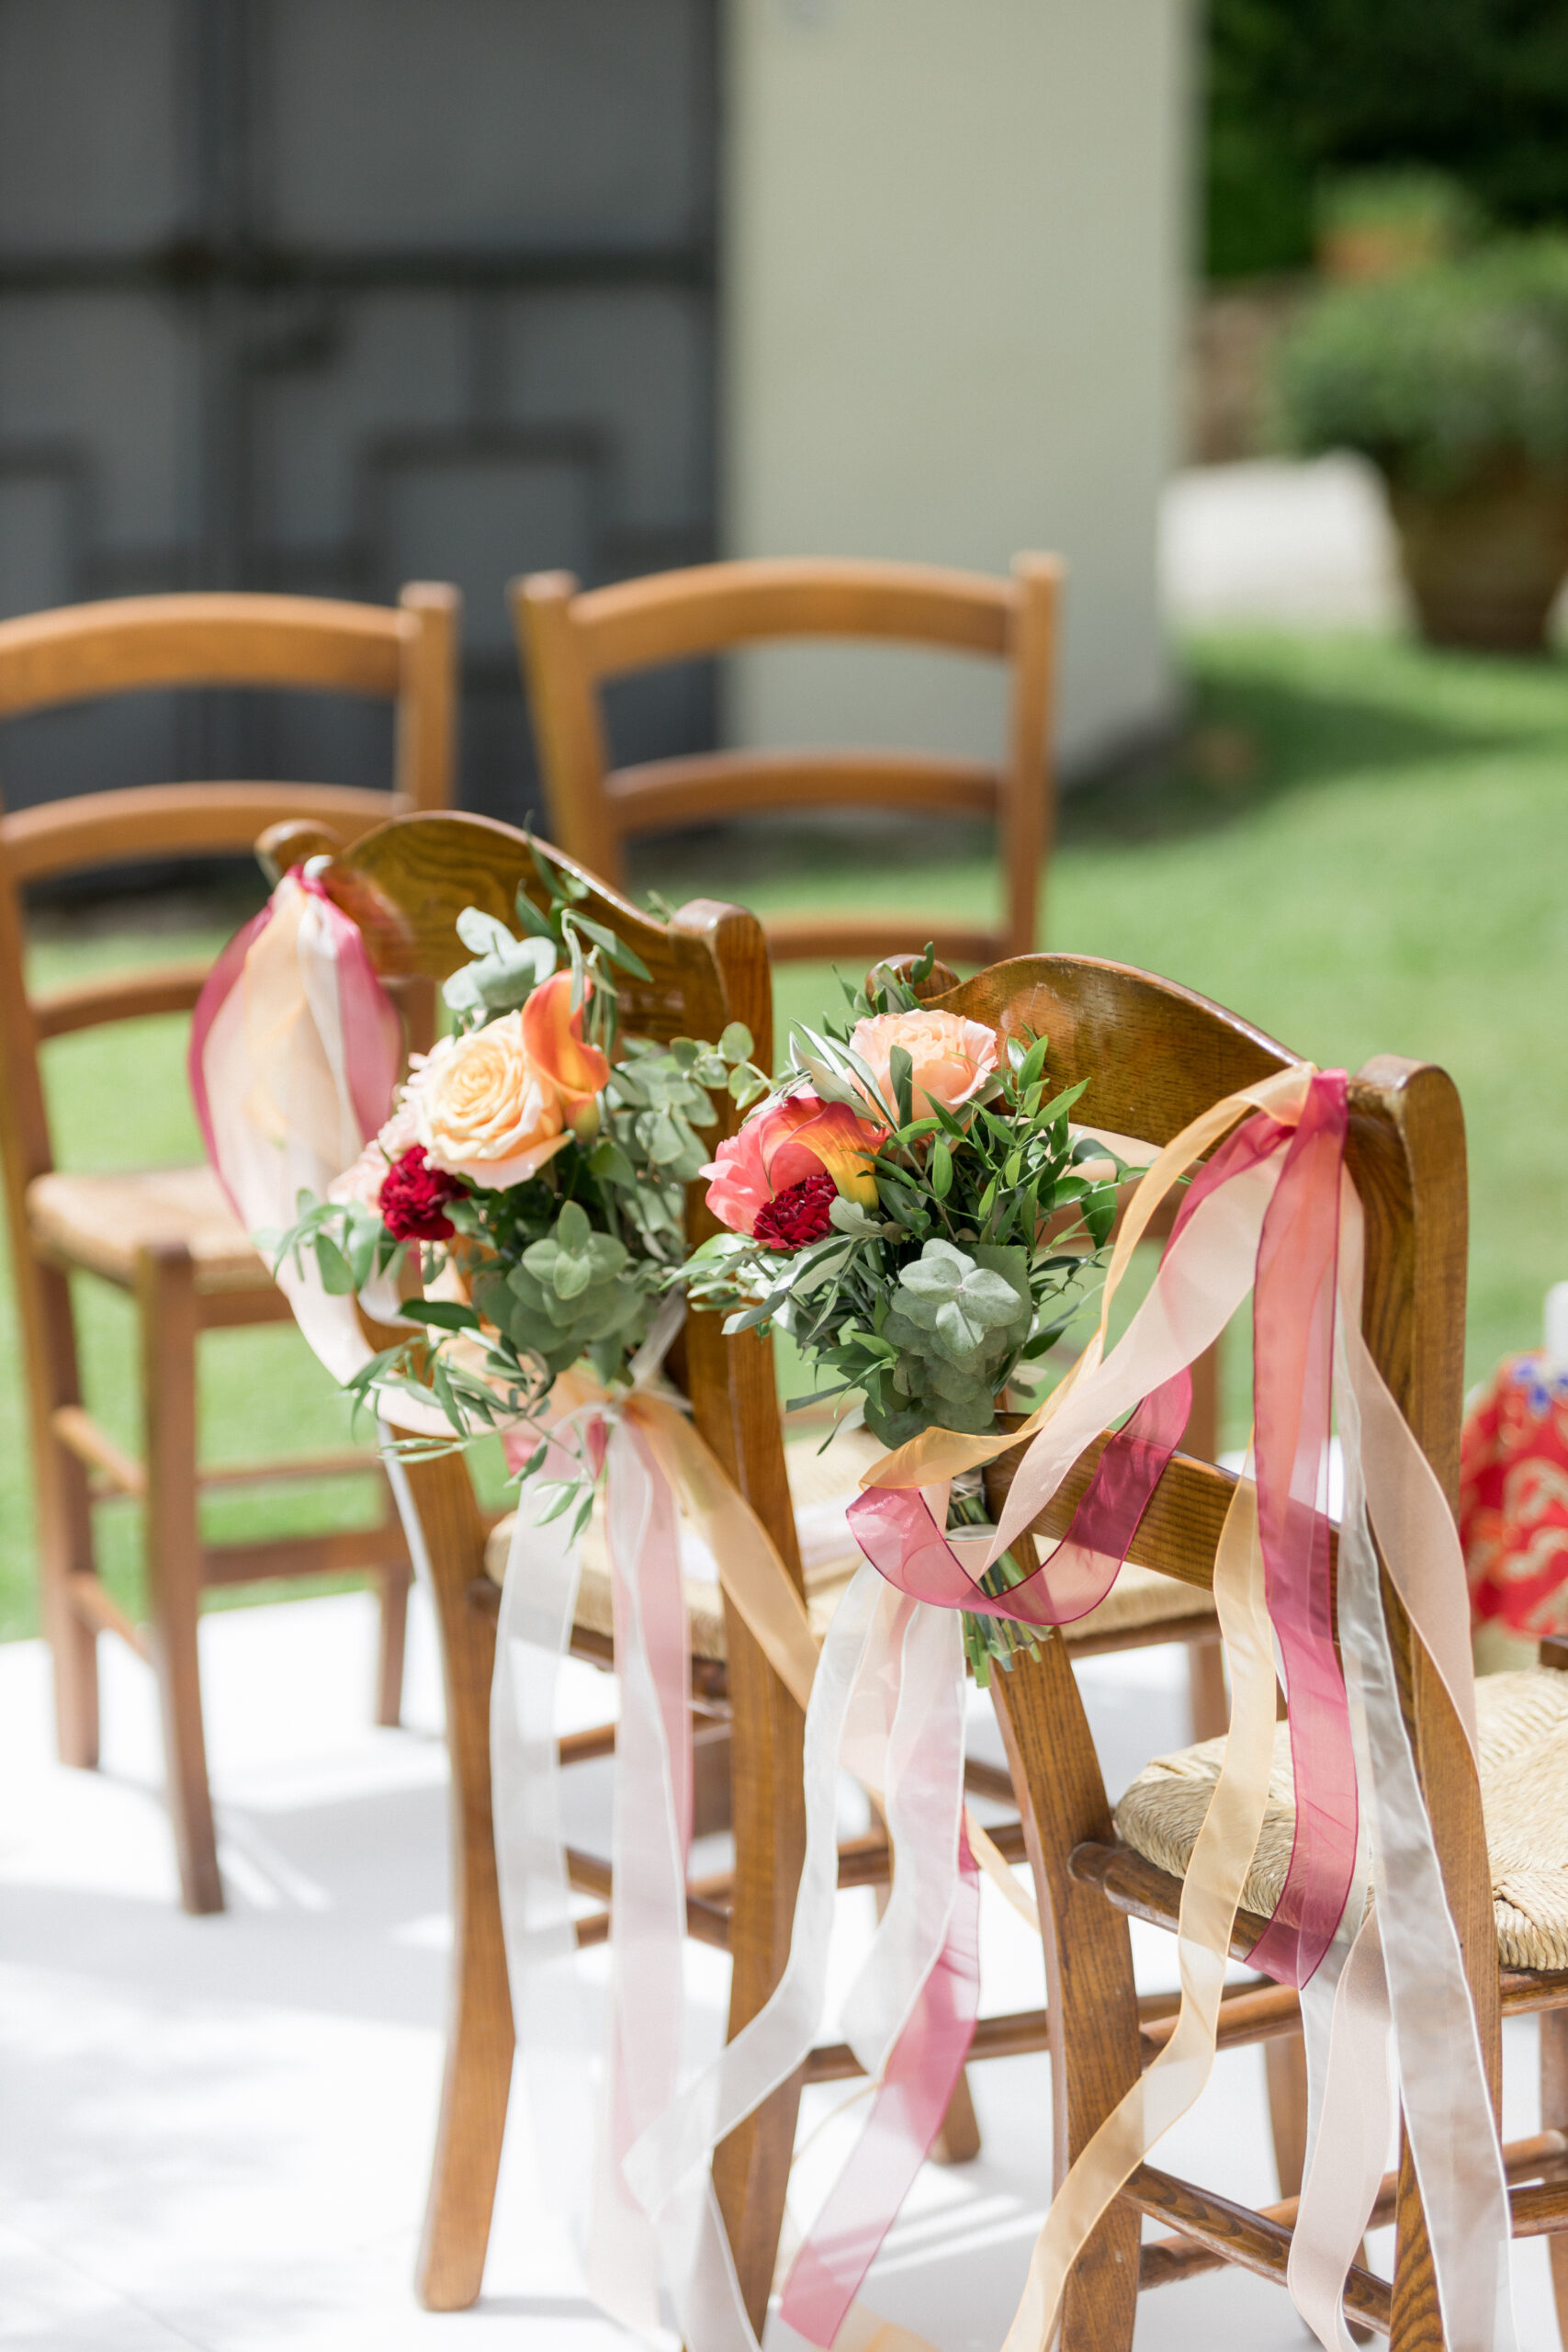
(323,295)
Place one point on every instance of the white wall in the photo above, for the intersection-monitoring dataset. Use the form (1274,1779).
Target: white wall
(955,251)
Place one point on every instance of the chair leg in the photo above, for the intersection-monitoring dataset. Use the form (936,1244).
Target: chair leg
(958,2141)
(1285,2062)
(1554,2116)
(64,1522)
(1206,1689)
(476,2083)
(750,2168)
(1090,1990)
(711,1752)
(391,1643)
(167,1304)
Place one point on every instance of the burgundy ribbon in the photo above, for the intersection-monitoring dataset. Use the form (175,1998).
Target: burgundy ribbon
(1292,1322)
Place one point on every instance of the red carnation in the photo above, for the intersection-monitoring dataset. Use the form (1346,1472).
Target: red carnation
(413,1195)
(798,1215)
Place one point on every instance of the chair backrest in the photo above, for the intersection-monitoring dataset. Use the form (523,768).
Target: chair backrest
(405,654)
(406,884)
(1156,1055)
(571,642)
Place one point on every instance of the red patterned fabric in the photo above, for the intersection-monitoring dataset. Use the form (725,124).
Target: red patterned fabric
(1513,1497)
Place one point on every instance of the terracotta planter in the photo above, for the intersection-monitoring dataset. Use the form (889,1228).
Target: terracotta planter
(1484,564)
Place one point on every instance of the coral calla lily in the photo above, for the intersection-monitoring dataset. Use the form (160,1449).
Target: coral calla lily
(552,1035)
(782,1147)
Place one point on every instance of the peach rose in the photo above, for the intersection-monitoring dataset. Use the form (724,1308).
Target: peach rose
(952,1059)
(485,1110)
(553,1036)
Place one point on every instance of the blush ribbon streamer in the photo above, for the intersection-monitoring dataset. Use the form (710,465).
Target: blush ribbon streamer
(295,1050)
(1285,1217)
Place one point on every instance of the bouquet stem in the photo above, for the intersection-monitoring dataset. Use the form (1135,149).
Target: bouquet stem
(987,1638)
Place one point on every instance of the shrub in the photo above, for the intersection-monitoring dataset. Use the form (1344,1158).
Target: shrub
(1300,88)
(1440,375)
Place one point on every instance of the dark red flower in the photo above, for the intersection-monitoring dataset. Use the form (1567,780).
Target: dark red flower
(413,1195)
(798,1215)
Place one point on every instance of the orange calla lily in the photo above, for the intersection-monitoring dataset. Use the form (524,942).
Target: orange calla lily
(552,1035)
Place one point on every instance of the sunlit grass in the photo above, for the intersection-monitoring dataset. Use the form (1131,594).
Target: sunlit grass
(1362,848)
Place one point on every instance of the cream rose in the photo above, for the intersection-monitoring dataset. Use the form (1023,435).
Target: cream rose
(952,1059)
(485,1110)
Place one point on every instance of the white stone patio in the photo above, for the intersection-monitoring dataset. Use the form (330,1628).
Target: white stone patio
(214,2133)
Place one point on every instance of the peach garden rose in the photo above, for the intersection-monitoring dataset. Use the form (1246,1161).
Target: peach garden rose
(952,1058)
(485,1109)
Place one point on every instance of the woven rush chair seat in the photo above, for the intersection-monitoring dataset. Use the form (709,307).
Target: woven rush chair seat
(101,1221)
(821,1484)
(1522,1719)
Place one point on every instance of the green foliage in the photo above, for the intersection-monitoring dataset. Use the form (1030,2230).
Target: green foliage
(571,1264)
(573,1292)
(1438,375)
(930,1304)
(1297,89)
(957,1319)
(505,973)
(971,1266)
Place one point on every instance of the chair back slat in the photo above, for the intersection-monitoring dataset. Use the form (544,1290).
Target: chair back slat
(678,614)
(133,996)
(1156,1055)
(165,821)
(683,792)
(406,883)
(571,643)
(1178,1532)
(132,642)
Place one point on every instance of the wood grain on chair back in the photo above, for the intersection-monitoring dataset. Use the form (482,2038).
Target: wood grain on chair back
(406,882)
(1156,1055)
(571,642)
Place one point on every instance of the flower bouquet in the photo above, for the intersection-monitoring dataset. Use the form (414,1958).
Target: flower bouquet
(913,1208)
(527,1192)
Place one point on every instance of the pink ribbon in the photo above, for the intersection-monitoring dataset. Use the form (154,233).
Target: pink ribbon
(369,1028)
(906,2116)
(216,990)
(1293,1326)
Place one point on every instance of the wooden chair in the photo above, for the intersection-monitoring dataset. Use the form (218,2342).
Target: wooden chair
(1155,1056)
(168,1237)
(571,642)
(407,884)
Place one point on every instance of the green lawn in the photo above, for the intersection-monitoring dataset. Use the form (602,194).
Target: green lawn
(1364,847)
